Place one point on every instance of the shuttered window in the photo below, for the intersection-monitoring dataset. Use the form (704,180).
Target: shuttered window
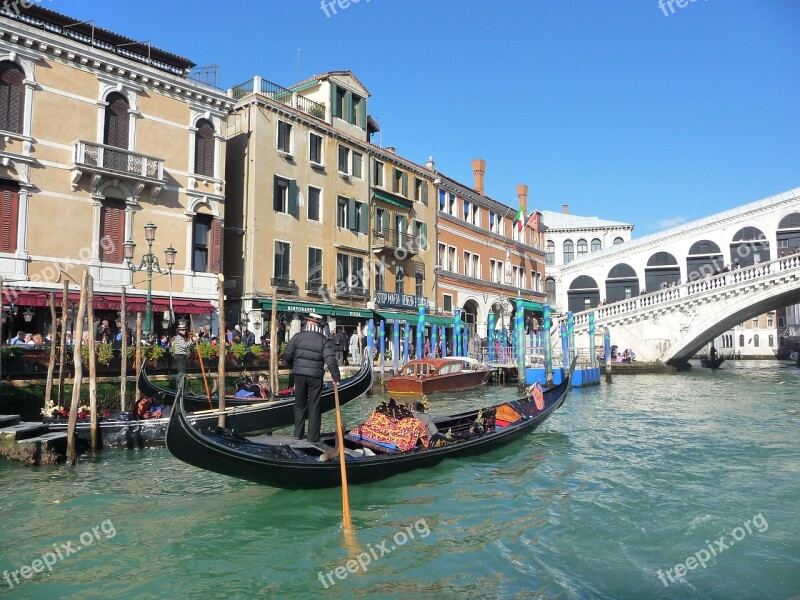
(112,230)
(206,244)
(204,148)
(9,214)
(116,121)
(12,97)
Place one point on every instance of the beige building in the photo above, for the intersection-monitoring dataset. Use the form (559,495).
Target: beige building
(316,212)
(100,135)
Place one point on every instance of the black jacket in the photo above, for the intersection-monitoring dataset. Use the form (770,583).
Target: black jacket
(308,352)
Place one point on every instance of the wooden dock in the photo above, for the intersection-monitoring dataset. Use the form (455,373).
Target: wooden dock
(30,442)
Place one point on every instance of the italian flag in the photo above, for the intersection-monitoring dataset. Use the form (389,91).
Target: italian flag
(519,220)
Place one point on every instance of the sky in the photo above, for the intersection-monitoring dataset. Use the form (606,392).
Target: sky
(627,110)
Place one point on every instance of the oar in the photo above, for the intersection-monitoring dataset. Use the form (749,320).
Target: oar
(202,367)
(348,524)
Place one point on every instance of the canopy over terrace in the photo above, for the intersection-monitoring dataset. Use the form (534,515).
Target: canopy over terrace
(106,301)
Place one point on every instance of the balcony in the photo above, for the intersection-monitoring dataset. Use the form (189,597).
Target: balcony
(353,292)
(283,284)
(387,241)
(280,94)
(101,161)
(316,288)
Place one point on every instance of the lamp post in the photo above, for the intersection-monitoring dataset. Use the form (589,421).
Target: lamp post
(149,264)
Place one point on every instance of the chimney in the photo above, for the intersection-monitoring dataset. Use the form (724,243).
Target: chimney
(522,195)
(479,169)
(391,149)
(565,209)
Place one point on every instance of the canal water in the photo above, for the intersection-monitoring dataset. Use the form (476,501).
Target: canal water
(656,486)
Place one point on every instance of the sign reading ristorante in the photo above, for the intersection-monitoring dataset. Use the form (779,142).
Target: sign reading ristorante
(395,300)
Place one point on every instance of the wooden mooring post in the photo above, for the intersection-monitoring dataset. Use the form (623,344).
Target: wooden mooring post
(95,442)
(221,358)
(123,375)
(62,353)
(78,379)
(51,366)
(138,360)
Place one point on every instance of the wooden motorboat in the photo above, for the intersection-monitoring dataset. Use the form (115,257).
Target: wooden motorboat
(124,429)
(431,375)
(281,461)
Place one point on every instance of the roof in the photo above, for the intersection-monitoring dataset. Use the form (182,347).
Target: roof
(560,220)
(328,75)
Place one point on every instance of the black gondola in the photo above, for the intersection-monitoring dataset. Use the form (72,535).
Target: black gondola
(122,429)
(711,363)
(282,462)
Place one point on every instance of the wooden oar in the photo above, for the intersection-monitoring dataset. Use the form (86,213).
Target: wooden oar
(202,367)
(348,524)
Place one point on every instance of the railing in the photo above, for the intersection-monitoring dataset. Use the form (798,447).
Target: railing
(728,280)
(395,239)
(118,160)
(315,287)
(353,292)
(283,283)
(279,94)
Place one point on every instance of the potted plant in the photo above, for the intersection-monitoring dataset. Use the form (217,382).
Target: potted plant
(105,354)
(239,352)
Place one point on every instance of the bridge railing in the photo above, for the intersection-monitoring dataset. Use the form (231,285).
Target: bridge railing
(728,279)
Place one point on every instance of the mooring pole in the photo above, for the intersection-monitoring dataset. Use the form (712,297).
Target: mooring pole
(548,347)
(77,380)
(62,351)
(51,367)
(138,360)
(123,372)
(221,346)
(92,363)
(607,344)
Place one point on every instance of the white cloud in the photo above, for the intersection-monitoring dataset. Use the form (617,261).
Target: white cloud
(672,222)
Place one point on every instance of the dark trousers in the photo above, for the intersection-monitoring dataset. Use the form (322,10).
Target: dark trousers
(180,368)
(307,391)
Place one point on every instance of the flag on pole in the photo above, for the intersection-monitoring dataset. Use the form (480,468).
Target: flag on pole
(519,219)
(533,220)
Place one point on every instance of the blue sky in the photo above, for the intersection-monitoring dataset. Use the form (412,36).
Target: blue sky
(610,107)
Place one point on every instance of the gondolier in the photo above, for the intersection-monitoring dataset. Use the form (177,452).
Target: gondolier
(307,354)
(181,344)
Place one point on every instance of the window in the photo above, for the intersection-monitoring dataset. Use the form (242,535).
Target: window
(315,148)
(116,121)
(471,213)
(381,221)
(284,137)
(338,102)
(421,235)
(282,260)
(441,257)
(341,211)
(351,214)
(12,97)
(452,261)
(447,303)
(472,264)
(380,276)
(596,245)
(315,266)
(399,280)
(421,191)
(314,204)
(771,341)
(349,272)
(377,174)
(550,254)
(344,159)
(112,230)
(204,148)
(399,182)
(741,341)
(9,215)
(284,198)
(419,280)
(770,321)
(442,199)
(357,160)
(550,288)
(495,270)
(206,244)
(755,322)
(781,322)
(618,241)
(568,252)
(452,208)
(755,341)
(627,293)
(582,248)
(357,106)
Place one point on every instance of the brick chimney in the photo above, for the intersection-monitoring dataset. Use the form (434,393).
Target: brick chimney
(565,209)
(479,170)
(522,196)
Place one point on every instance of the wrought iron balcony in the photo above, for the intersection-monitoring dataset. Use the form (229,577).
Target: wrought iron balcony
(101,161)
(283,284)
(392,240)
(353,292)
(316,287)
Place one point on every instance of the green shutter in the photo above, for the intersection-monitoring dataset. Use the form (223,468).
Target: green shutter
(334,100)
(364,210)
(405,184)
(294,210)
(362,113)
(348,106)
(351,214)
(423,230)
(425,192)
(385,221)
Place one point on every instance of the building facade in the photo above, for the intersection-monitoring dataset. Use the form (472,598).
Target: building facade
(101,135)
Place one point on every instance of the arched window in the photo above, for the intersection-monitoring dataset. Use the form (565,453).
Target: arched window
(596,245)
(116,121)
(12,97)
(618,241)
(550,255)
(755,340)
(583,248)
(741,341)
(771,341)
(204,148)
(550,287)
(569,251)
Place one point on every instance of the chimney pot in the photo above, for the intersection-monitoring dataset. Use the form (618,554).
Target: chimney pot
(479,170)
(565,208)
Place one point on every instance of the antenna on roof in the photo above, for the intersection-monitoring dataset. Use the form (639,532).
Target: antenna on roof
(81,23)
(208,75)
(142,43)
(298,65)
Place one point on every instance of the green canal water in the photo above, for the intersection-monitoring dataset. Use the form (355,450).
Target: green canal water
(626,480)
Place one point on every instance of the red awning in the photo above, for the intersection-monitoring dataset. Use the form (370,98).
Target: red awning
(108,302)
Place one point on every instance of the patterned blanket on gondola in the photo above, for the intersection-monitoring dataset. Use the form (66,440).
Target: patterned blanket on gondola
(401,433)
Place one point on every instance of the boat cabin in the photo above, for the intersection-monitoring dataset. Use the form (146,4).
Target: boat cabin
(433,366)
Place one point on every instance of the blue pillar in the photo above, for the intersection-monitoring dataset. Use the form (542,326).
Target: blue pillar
(407,344)
(565,344)
(457,331)
(548,346)
(592,357)
(396,345)
(607,345)
(443,343)
(571,333)
(382,343)
(464,340)
(520,325)
(433,340)
(420,329)
(371,341)
(491,337)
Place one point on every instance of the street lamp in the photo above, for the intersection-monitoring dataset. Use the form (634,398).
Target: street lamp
(149,263)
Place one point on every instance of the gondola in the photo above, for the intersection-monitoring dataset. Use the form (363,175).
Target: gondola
(282,462)
(711,363)
(122,429)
